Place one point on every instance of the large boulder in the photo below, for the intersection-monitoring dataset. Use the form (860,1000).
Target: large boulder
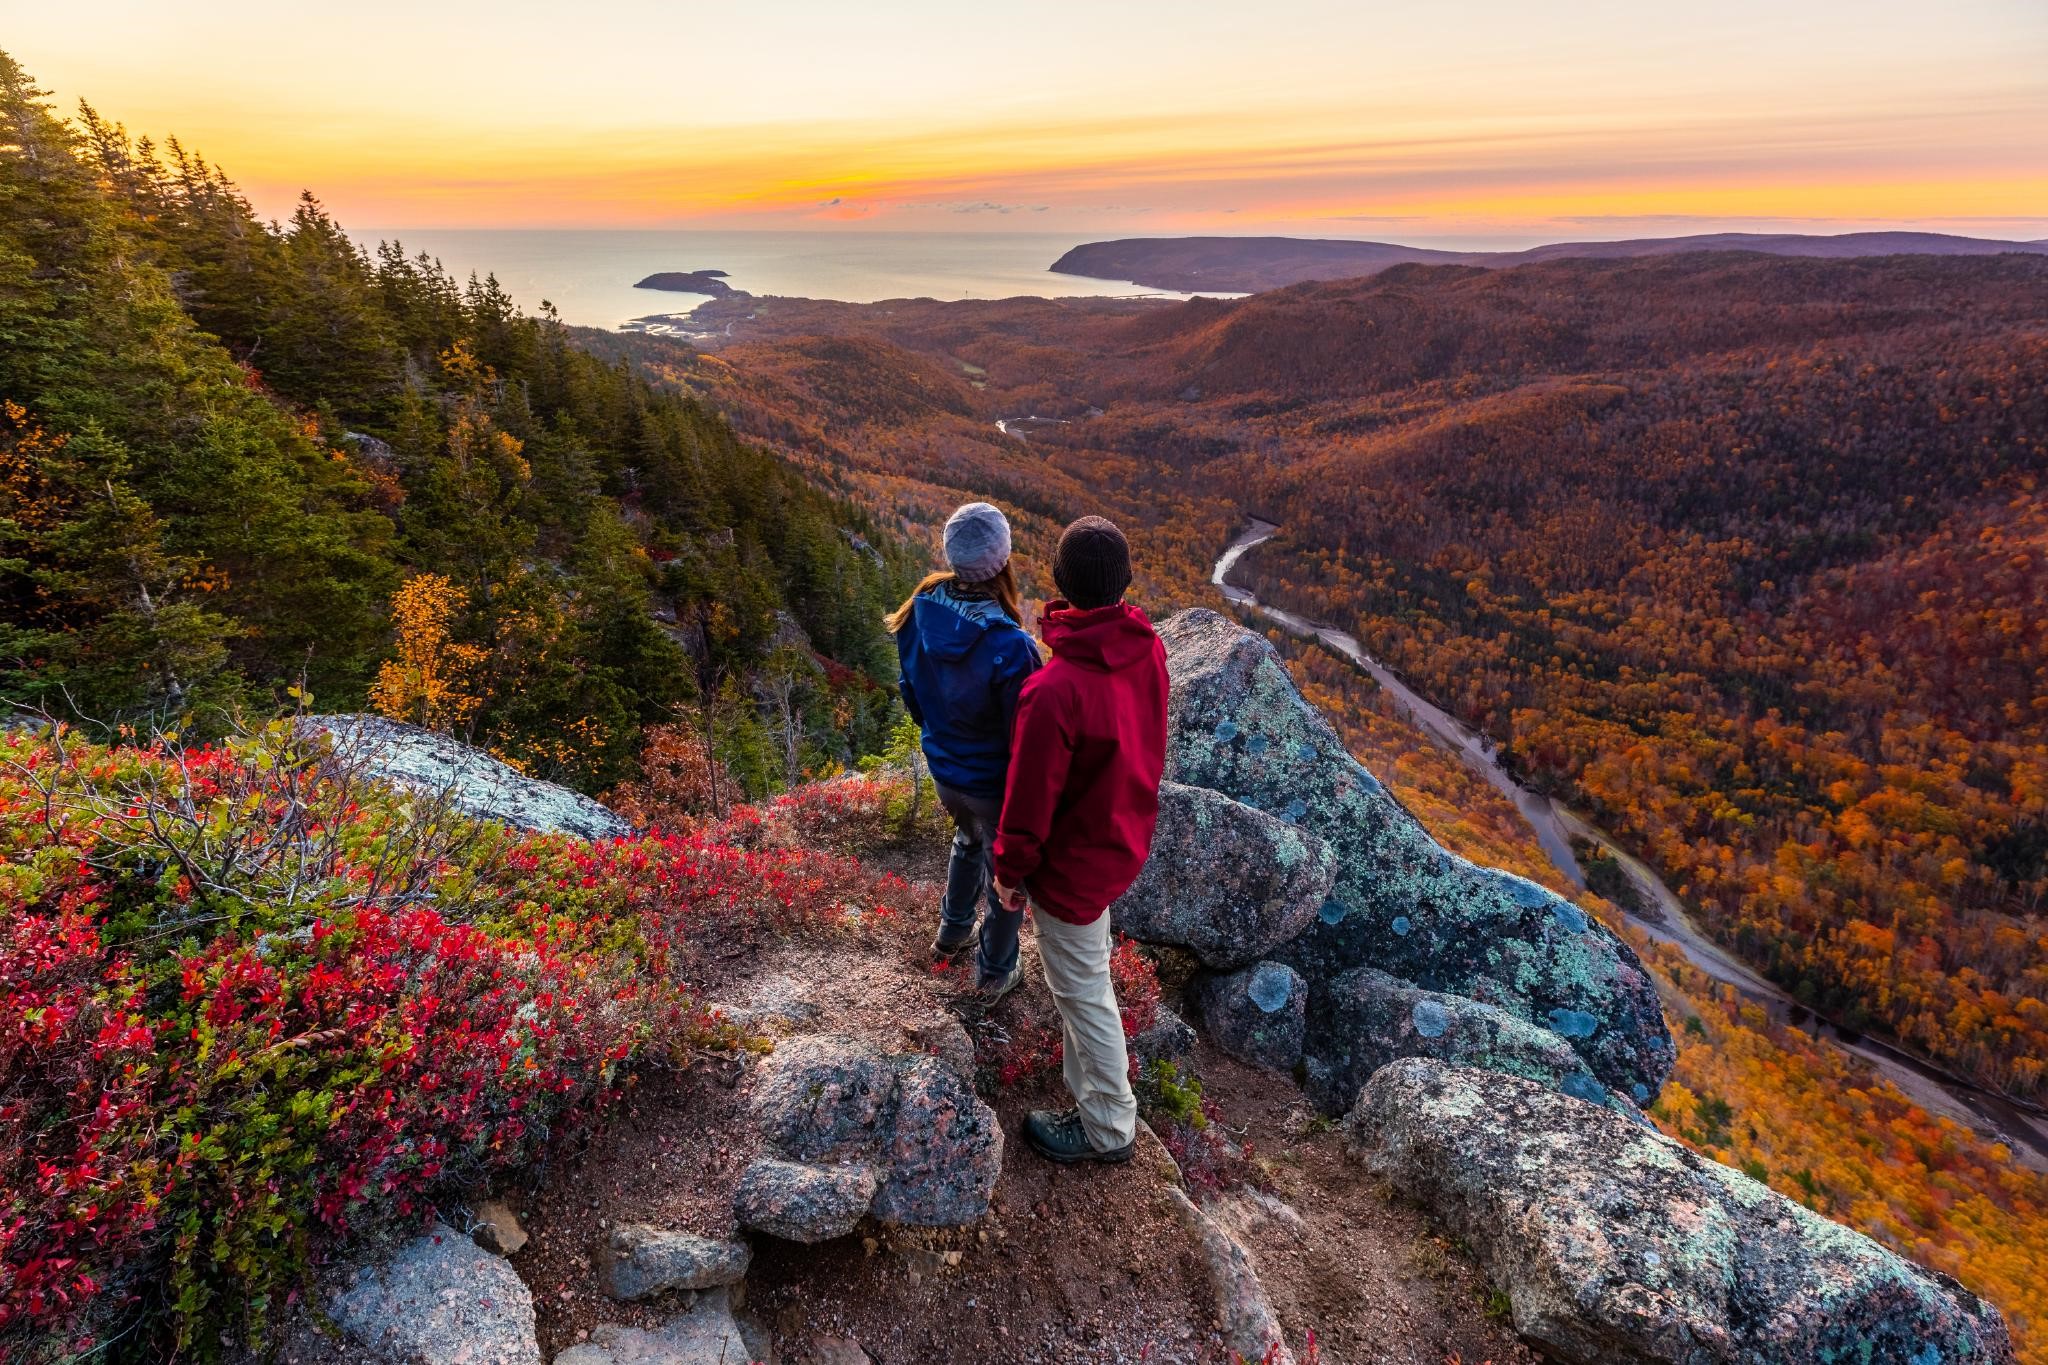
(1224,881)
(1614,1243)
(1401,903)
(1257,1015)
(439,1300)
(849,1130)
(1369,1019)
(470,779)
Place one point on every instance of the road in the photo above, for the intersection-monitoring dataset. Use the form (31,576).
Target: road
(1555,825)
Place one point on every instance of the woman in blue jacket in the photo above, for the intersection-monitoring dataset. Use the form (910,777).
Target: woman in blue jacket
(964,654)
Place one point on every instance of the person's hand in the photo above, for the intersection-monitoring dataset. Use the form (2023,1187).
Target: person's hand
(1011,896)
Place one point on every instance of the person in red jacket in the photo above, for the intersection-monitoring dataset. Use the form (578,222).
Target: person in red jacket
(1079,806)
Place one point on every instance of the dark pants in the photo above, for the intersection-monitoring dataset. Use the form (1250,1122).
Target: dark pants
(970,880)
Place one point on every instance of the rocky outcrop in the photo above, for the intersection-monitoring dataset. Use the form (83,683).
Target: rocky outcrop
(1225,881)
(471,780)
(1369,1019)
(1251,1329)
(1401,903)
(849,1130)
(1258,1015)
(1613,1242)
(441,1299)
(635,1261)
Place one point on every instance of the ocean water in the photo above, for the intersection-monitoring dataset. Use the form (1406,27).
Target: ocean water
(589,275)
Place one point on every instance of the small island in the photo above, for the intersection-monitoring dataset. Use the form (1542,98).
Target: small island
(711,282)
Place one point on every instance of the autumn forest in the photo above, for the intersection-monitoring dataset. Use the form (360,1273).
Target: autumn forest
(1747,557)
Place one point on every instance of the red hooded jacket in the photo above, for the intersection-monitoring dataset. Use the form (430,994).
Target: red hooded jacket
(1085,762)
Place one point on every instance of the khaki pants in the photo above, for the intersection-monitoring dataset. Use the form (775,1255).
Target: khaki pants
(1097,1066)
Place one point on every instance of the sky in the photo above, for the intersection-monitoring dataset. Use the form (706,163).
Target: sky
(1495,122)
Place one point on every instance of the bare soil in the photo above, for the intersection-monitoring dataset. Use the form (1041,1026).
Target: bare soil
(1084,1264)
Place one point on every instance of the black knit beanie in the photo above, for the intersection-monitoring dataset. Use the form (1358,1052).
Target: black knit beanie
(1092,566)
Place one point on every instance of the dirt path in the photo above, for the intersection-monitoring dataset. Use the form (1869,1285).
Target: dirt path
(1073,1265)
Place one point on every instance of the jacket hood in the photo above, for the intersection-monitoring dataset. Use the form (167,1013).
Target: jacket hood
(950,627)
(1105,638)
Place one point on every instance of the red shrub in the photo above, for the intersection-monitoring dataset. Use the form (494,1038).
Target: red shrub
(1137,986)
(204,1089)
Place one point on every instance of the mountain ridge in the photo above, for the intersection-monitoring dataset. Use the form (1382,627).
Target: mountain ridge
(1253,264)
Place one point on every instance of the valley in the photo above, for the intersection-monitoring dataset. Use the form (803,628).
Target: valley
(1555,826)
(1563,876)
(1636,539)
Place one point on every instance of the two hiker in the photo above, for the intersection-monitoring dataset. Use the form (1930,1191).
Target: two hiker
(1051,774)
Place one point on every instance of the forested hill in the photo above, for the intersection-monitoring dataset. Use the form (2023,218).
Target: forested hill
(228,448)
(1744,554)
(1249,264)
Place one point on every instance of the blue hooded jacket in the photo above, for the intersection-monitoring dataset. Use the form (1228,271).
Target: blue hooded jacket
(963,661)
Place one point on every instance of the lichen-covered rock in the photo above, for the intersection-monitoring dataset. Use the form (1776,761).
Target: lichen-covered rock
(944,1152)
(1224,881)
(635,1261)
(440,1300)
(705,1335)
(1170,1039)
(474,782)
(1613,1242)
(824,1096)
(1369,1019)
(1257,1015)
(799,1202)
(1402,903)
(930,1149)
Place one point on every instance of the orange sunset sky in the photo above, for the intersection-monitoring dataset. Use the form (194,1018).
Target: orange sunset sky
(1463,119)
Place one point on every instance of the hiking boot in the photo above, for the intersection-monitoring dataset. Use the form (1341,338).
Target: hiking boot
(1060,1136)
(945,953)
(989,992)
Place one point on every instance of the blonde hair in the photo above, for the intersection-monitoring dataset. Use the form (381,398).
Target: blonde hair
(1004,585)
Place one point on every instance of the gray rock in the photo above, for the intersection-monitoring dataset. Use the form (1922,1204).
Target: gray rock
(944,1153)
(824,1096)
(1401,903)
(1224,881)
(930,1148)
(705,1335)
(1614,1243)
(473,782)
(803,1203)
(1258,1015)
(1168,1040)
(635,1261)
(440,1300)
(1251,1329)
(1369,1019)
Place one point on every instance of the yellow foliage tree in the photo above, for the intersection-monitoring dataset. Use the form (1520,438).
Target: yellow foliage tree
(433,681)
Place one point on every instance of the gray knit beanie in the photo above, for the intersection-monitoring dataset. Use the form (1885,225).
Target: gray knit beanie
(977,542)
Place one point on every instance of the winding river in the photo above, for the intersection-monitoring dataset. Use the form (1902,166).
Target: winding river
(2023,1130)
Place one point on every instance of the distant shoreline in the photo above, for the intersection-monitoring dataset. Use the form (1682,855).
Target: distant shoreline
(1252,264)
